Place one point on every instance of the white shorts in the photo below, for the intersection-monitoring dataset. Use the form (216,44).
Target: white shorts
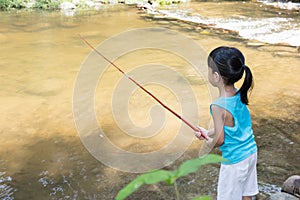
(238,179)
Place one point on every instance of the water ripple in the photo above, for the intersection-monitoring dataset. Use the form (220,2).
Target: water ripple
(6,191)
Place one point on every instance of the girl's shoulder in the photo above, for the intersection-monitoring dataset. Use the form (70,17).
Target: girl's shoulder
(232,104)
(226,100)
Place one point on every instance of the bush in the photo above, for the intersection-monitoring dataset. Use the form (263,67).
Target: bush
(12,4)
(47,4)
(37,4)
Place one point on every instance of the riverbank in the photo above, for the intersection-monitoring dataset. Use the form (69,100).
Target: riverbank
(252,22)
(97,4)
(75,4)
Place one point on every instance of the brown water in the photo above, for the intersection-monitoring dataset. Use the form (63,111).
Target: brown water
(41,154)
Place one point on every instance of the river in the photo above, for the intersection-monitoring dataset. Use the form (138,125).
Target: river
(42,155)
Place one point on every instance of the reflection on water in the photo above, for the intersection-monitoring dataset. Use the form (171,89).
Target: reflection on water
(41,155)
(268,188)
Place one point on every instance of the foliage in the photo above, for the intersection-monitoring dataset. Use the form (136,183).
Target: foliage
(168,2)
(202,198)
(12,4)
(37,4)
(47,4)
(55,4)
(169,177)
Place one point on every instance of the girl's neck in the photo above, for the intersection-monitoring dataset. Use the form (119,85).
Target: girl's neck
(227,91)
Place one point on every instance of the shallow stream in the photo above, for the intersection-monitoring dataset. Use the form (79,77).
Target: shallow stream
(41,154)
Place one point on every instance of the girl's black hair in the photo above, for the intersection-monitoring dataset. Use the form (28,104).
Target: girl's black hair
(229,62)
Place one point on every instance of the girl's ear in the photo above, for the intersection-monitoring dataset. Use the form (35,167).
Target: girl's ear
(216,76)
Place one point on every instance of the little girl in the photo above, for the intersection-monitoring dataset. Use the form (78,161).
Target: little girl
(232,124)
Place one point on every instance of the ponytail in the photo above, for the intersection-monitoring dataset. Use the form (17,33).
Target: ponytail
(247,85)
(229,62)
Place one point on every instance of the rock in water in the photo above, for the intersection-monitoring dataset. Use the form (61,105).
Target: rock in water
(292,185)
(67,6)
(282,196)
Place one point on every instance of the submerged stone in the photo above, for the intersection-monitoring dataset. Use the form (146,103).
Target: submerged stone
(282,196)
(3,38)
(47,87)
(255,44)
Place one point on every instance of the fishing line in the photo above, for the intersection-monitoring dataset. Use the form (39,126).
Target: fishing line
(145,90)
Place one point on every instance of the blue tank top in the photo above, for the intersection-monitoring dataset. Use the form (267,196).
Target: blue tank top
(239,141)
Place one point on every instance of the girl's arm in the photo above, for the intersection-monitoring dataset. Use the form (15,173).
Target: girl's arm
(218,115)
(221,117)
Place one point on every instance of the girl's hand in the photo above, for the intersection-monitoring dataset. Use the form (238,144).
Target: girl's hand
(201,131)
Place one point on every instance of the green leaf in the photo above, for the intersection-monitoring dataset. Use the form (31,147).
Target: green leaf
(202,198)
(170,177)
(152,177)
(157,176)
(191,166)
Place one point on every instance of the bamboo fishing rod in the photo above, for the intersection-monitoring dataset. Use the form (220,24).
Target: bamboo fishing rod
(144,89)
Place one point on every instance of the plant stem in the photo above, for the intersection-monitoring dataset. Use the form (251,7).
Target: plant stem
(176,190)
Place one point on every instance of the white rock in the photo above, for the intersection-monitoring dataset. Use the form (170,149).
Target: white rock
(76,2)
(67,6)
(89,3)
